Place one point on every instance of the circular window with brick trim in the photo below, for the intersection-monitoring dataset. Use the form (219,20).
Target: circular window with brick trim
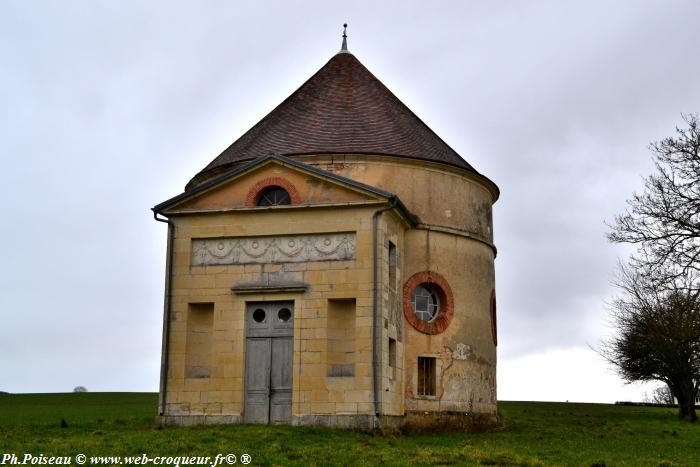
(425,302)
(428,303)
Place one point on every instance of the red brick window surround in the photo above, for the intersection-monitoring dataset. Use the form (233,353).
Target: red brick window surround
(253,196)
(436,283)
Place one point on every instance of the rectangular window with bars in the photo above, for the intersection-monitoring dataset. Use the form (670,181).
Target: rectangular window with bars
(426,376)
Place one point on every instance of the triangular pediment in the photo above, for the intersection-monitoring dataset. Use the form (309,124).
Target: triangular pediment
(240,189)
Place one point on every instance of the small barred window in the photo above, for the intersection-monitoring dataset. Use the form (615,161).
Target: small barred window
(426,376)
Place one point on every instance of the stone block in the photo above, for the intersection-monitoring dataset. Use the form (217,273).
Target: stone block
(310,358)
(358,396)
(345,408)
(317,395)
(365,407)
(313,369)
(189,397)
(196,384)
(321,407)
(309,383)
(313,345)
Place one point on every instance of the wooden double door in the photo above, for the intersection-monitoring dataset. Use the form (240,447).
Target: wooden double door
(268,375)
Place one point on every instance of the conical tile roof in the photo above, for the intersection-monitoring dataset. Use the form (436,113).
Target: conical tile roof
(342,109)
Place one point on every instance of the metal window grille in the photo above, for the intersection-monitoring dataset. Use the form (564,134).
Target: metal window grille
(426,376)
(425,302)
(274,196)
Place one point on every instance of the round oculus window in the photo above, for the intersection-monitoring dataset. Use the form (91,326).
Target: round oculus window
(284,315)
(259,315)
(425,302)
(428,303)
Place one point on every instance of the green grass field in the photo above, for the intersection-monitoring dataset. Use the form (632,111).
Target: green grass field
(535,433)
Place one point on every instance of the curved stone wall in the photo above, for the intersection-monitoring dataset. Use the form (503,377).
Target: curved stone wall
(440,195)
(455,240)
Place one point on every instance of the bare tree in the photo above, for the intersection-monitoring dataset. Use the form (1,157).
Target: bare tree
(658,336)
(664,220)
(662,395)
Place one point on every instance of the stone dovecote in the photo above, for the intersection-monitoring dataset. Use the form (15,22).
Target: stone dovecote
(334,266)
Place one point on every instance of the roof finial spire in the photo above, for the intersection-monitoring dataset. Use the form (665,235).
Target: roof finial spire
(344,47)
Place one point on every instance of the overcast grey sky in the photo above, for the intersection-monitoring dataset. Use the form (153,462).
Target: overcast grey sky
(110,107)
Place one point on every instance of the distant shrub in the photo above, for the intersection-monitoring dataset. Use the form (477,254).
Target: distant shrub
(80,389)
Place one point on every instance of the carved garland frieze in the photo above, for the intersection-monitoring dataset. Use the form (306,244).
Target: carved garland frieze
(278,249)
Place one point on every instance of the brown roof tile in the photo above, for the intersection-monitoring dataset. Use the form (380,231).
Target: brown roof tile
(343,108)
